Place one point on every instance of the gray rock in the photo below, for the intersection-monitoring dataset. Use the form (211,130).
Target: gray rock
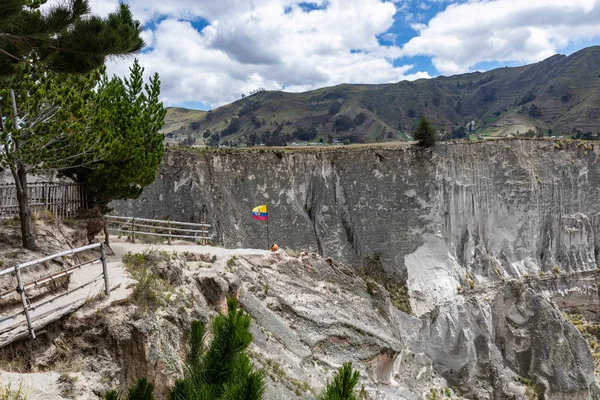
(454,223)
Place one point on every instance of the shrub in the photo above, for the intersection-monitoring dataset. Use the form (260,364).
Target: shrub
(471,283)
(334,108)
(150,292)
(343,385)
(221,371)
(8,393)
(142,390)
(342,123)
(359,119)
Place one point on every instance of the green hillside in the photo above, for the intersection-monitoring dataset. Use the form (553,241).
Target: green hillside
(561,94)
(179,119)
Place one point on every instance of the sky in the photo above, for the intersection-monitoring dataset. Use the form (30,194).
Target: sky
(210,52)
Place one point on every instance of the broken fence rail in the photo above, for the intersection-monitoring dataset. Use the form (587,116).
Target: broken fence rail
(22,286)
(156,227)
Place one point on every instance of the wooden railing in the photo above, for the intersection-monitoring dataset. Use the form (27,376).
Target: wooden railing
(61,199)
(161,228)
(22,286)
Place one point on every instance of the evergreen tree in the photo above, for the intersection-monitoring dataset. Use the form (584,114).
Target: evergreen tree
(111,395)
(142,390)
(45,128)
(66,38)
(221,371)
(343,385)
(425,133)
(129,116)
(107,138)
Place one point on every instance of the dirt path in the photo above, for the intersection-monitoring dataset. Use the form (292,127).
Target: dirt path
(44,312)
(47,386)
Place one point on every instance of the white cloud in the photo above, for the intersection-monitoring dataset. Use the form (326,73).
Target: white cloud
(262,43)
(277,44)
(503,30)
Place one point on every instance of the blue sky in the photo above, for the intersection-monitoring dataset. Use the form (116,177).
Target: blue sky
(209,53)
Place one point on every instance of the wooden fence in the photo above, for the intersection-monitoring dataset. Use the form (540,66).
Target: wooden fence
(61,199)
(33,312)
(161,228)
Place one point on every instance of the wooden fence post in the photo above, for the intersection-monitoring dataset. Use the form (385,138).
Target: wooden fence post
(203,227)
(133,230)
(105,270)
(169,226)
(21,291)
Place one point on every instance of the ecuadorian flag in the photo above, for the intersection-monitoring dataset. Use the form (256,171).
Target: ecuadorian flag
(260,213)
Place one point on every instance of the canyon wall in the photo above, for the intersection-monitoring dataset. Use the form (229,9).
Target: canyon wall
(460,214)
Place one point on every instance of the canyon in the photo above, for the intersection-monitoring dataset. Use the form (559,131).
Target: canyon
(477,243)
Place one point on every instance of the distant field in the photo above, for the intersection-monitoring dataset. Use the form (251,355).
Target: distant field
(177,118)
(301,149)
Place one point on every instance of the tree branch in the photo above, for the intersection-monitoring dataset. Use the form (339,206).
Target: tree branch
(10,55)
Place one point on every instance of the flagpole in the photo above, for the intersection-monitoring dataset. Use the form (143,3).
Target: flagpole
(268,241)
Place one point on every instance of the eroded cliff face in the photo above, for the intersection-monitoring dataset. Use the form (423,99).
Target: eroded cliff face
(310,315)
(462,214)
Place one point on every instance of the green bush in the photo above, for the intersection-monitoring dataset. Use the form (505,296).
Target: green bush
(150,292)
(142,390)
(222,370)
(343,385)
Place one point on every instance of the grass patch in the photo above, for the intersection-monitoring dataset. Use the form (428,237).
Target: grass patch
(292,253)
(277,373)
(532,390)
(9,392)
(151,292)
(149,239)
(42,214)
(13,221)
(372,272)
(590,330)
(231,261)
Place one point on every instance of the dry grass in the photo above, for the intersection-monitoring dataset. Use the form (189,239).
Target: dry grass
(151,292)
(373,272)
(42,214)
(10,392)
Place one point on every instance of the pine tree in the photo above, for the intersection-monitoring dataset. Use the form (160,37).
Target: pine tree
(343,385)
(107,138)
(425,133)
(142,390)
(66,38)
(221,371)
(129,116)
(45,128)
(39,112)
(111,395)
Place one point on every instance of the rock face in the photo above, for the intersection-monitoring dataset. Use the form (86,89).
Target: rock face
(492,210)
(311,315)
(464,226)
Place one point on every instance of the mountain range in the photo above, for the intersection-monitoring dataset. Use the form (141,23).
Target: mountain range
(557,96)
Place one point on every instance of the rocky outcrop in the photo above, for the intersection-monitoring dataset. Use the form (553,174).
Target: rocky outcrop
(311,315)
(492,210)
(486,236)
